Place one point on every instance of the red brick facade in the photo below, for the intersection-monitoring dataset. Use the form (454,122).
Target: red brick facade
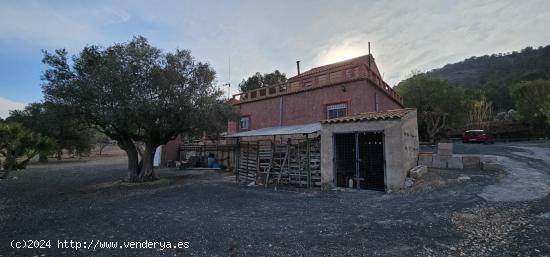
(310,106)
(305,97)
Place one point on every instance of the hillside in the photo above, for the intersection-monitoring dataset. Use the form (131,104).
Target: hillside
(501,68)
(493,75)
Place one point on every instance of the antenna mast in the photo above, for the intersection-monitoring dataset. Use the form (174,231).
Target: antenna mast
(369,55)
(229,83)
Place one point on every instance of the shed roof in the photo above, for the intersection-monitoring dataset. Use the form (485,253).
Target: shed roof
(369,116)
(281,130)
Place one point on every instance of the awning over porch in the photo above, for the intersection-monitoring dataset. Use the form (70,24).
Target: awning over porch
(282,130)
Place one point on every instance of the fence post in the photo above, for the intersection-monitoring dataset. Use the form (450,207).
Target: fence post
(237,156)
(308,162)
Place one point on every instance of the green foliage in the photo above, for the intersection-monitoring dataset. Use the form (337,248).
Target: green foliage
(435,98)
(532,100)
(56,123)
(258,80)
(18,142)
(427,93)
(497,93)
(480,114)
(495,74)
(137,95)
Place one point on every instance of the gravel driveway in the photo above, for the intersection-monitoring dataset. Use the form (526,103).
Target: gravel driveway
(86,202)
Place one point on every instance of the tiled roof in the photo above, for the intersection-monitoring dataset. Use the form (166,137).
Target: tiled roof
(368,116)
(361,59)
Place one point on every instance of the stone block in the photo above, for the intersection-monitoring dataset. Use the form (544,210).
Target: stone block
(425,159)
(471,162)
(445,149)
(418,171)
(409,182)
(440,161)
(491,166)
(455,162)
(486,158)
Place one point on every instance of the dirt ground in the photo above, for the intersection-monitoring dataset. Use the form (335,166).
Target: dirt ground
(444,214)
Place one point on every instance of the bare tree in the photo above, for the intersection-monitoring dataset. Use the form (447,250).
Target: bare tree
(434,121)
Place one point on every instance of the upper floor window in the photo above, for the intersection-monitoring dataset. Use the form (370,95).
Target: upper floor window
(244,123)
(337,110)
(308,83)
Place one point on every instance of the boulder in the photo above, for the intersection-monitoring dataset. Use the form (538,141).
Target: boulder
(409,182)
(418,171)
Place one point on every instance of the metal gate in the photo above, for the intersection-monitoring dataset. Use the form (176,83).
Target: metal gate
(359,160)
(345,158)
(371,160)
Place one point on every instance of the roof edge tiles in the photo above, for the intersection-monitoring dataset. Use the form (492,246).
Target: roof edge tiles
(371,116)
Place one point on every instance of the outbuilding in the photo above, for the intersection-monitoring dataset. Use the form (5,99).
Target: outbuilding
(371,150)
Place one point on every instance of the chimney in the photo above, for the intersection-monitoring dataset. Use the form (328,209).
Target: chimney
(298,66)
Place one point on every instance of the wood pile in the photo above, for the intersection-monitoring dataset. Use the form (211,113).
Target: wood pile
(295,163)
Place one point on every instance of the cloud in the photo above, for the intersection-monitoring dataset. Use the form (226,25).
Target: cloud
(7,105)
(423,35)
(267,35)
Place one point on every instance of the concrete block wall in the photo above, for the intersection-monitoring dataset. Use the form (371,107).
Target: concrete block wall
(425,159)
(471,161)
(445,149)
(456,161)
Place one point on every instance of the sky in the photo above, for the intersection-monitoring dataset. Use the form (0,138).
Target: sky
(239,38)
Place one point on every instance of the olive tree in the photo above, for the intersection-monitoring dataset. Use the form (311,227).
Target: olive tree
(53,121)
(137,95)
(18,145)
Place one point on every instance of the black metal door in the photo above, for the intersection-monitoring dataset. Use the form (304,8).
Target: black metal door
(344,158)
(371,160)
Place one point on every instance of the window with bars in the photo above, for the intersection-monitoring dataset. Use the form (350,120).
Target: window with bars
(336,110)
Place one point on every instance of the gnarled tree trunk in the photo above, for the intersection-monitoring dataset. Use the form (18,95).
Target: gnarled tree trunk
(435,121)
(133,160)
(148,155)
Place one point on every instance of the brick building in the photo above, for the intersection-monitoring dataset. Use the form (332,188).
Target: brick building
(284,131)
(325,92)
